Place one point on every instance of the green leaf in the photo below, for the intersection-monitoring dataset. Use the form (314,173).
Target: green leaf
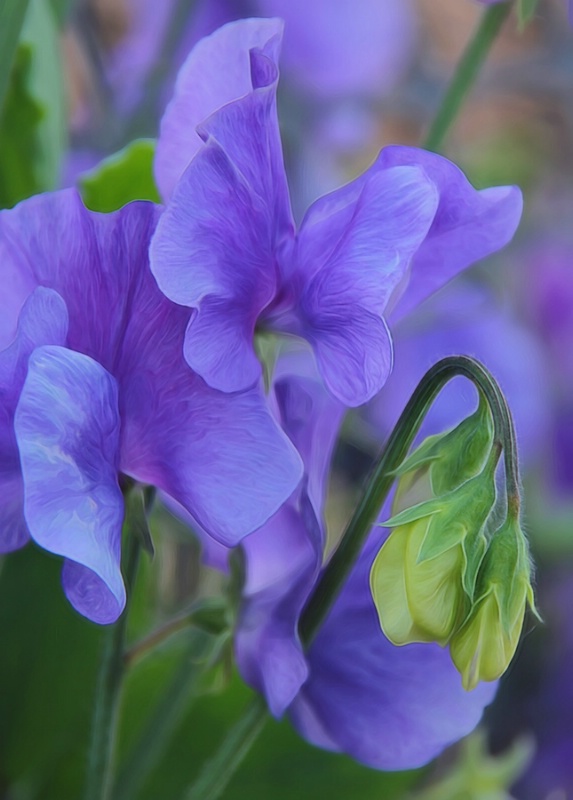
(121,178)
(45,85)
(12,14)
(525,11)
(32,124)
(19,145)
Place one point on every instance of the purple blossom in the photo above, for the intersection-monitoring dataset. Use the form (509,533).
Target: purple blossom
(94,386)
(226,245)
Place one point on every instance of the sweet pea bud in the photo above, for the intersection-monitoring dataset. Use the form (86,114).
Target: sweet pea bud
(484,645)
(423,578)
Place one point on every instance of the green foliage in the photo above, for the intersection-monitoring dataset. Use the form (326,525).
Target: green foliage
(19,143)
(32,123)
(121,178)
(476,775)
(12,13)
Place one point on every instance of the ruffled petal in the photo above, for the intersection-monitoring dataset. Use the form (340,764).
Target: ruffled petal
(389,707)
(67,428)
(216,245)
(216,72)
(221,456)
(284,557)
(355,248)
(469,224)
(43,320)
(282,560)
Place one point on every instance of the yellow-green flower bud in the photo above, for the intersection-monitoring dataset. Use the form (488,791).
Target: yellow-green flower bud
(423,578)
(483,647)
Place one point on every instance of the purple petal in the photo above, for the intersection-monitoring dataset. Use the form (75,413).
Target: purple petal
(389,707)
(223,457)
(215,246)
(355,248)
(43,320)
(217,72)
(469,224)
(283,558)
(67,427)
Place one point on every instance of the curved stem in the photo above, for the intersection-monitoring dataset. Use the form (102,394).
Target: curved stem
(380,483)
(217,772)
(466,73)
(102,745)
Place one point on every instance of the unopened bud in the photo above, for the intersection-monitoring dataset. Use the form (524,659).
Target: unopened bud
(423,578)
(483,647)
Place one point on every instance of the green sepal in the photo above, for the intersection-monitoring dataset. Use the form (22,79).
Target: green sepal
(464,451)
(474,547)
(455,456)
(506,566)
(121,178)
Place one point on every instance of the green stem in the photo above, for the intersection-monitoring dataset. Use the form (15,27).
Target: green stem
(380,483)
(466,73)
(217,772)
(102,745)
(154,740)
(12,15)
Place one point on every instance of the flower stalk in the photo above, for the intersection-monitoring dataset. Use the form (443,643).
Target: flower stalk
(112,670)
(466,73)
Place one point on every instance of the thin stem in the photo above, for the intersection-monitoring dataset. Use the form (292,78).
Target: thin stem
(217,772)
(163,632)
(466,73)
(380,483)
(202,649)
(102,745)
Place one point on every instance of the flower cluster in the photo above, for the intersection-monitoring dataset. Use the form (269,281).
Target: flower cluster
(130,353)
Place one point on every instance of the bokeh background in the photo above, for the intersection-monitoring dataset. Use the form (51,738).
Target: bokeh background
(87,79)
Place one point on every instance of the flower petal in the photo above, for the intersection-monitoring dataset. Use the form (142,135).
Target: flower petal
(354,249)
(43,320)
(283,558)
(67,428)
(469,224)
(217,72)
(215,246)
(389,707)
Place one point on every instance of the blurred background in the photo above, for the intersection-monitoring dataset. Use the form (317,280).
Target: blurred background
(90,77)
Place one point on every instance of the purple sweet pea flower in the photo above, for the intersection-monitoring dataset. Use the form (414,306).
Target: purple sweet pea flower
(353,691)
(94,385)
(226,246)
